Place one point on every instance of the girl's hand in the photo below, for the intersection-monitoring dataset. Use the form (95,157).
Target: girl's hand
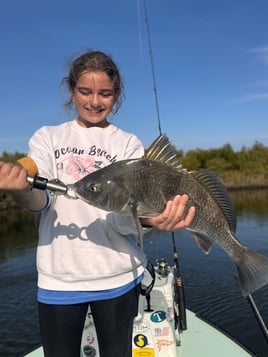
(12,177)
(171,218)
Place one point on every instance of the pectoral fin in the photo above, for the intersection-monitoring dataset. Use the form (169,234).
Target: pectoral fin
(133,208)
(203,242)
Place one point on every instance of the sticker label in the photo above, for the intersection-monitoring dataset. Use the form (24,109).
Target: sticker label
(158,316)
(161,343)
(140,340)
(89,351)
(161,331)
(140,327)
(90,340)
(144,352)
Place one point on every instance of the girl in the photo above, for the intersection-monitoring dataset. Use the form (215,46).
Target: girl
(86,255)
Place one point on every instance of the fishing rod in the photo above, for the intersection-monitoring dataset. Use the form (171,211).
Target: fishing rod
(55,186)
(179,294)
(258,316)
(179,287)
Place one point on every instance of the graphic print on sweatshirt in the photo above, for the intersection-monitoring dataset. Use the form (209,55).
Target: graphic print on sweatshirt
(73,164)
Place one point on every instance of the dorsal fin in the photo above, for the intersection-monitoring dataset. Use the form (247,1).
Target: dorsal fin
(213,184)
(162,150)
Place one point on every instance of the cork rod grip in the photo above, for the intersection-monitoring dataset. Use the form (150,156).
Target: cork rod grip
(29,165)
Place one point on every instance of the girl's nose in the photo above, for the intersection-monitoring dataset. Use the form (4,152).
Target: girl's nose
(95,100)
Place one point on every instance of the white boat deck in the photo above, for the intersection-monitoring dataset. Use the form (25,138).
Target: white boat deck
(204,340)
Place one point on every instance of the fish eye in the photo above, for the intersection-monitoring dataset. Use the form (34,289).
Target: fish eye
(93,187)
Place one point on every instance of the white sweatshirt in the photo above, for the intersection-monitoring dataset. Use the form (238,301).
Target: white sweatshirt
(83,248)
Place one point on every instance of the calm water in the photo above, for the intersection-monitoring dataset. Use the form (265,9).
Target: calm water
(210,285)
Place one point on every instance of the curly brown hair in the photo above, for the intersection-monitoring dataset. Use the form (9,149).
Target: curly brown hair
(95,61)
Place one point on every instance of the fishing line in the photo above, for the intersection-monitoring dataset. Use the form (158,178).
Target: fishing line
(152,65)
(140,32)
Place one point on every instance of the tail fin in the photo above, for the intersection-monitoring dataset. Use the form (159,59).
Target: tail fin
(252,271)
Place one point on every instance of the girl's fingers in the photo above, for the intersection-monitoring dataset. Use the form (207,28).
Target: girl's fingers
(174,216)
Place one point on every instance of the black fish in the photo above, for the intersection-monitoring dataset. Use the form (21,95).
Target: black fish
(141,187)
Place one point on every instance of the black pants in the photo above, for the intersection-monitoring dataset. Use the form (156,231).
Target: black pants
(62,326)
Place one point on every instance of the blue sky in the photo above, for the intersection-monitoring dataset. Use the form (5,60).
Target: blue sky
(210,60)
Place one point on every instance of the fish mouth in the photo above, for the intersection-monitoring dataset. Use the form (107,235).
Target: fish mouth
(72,193)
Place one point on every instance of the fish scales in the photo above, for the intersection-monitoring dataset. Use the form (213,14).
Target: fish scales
(142,187)
(147,183)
